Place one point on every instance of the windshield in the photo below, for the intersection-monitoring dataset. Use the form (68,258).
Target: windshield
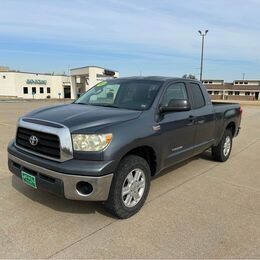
(129,94)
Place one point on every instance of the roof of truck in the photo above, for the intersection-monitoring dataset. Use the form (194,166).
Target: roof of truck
(156,78)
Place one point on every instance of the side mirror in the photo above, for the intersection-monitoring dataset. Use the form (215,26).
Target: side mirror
(176,105)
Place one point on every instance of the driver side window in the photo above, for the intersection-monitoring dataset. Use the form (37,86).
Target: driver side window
(174,91)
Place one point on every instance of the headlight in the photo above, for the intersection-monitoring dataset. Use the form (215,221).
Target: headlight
(91,143)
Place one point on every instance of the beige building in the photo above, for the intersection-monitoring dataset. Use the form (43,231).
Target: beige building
(237,90)
(86,77)
(28,85)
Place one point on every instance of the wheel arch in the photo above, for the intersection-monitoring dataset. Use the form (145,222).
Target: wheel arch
(146,152)
(232,127)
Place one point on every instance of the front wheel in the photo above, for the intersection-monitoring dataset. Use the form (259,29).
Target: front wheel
(130,187)
(222,151)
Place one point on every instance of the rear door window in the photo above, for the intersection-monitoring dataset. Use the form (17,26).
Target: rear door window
(197,96)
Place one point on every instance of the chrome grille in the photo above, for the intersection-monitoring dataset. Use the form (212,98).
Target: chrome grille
(48,144)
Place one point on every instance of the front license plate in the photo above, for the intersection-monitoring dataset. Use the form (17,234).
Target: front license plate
(29,179)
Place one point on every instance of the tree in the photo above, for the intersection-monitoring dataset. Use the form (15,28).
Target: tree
(190,76)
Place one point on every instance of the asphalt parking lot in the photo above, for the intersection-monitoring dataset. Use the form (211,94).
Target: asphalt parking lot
(199,209)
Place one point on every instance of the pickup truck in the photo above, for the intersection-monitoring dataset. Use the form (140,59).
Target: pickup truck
(109,143)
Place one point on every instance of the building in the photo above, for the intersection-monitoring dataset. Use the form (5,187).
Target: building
(237,90)
(86,77)
(28,85)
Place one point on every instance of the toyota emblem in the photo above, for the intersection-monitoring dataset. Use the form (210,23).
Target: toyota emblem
(33,140)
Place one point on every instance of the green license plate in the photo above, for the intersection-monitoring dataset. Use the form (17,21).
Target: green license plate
(29,179)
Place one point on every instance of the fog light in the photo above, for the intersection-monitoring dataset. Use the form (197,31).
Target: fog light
(84,188)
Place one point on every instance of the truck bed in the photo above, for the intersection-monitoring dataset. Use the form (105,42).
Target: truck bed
(225,106)
(216,103)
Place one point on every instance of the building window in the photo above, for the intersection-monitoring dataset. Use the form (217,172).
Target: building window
(236,82)
(247,93)
(4,77)
(25,90)
(210,82)
(237,93)
(230,92)
(210,92)
(216,92)
(41,90)
(246,82)
(34,90)
(48,90)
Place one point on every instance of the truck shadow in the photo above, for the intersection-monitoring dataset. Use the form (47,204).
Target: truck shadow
(57,203)
(205,156)
(83,207)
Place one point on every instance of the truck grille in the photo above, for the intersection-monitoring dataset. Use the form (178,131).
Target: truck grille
(48,144)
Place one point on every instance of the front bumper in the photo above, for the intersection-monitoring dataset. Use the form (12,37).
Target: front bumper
(63,184)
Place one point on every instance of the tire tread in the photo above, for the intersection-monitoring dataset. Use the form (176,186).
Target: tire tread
(114,204)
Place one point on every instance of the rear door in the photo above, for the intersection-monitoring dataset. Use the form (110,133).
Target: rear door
(204,118)
(177,128)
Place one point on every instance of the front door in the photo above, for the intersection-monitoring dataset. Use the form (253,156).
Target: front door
(204,118)
(177,128)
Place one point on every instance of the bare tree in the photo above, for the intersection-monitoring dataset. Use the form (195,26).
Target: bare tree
(190,76)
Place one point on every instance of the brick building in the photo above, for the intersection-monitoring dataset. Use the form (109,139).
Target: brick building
(237,90)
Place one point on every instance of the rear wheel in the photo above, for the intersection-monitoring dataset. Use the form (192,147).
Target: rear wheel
(130,187)
(222,151)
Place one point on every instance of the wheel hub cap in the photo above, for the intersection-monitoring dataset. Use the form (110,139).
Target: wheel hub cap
(133,187)
(227,146)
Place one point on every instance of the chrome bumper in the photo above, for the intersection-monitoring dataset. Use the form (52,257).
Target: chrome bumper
(101,185)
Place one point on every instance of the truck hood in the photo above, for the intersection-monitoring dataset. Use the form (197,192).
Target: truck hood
(77,117)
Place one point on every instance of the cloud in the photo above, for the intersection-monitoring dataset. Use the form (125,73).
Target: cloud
(144,31)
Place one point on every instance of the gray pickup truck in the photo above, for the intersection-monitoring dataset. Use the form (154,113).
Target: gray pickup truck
(108,144)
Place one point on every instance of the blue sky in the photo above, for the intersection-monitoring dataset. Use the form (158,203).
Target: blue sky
(152,37)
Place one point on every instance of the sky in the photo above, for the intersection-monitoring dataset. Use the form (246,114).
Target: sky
(135,37)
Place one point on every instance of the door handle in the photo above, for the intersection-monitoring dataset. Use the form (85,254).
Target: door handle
(192,120)
(201,121)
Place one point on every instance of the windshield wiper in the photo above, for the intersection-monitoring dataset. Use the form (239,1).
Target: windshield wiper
(104,105)
(80,103)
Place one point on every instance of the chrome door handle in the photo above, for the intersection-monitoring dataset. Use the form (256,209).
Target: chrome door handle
(201,121)
(192,120)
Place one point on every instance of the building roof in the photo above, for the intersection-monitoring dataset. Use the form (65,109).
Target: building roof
(36,73)
(247,80)
(222,80)
(232,87)
(85,67)
(6,69)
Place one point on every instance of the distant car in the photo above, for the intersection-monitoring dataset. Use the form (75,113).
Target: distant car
(106,147)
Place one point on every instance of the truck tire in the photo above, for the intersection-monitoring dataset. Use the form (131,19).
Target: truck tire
(130,187)
(222,151)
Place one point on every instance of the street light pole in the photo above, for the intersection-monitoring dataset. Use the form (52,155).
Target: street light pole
(202,34)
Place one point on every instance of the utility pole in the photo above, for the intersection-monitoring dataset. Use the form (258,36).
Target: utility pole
(202,34)
(244,75)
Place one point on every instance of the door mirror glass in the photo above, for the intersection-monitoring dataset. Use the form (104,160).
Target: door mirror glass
(176,105)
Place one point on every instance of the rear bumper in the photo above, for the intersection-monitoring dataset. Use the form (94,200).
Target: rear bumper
(61,184)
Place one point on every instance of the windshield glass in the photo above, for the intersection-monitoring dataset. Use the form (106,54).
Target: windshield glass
(129,94)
